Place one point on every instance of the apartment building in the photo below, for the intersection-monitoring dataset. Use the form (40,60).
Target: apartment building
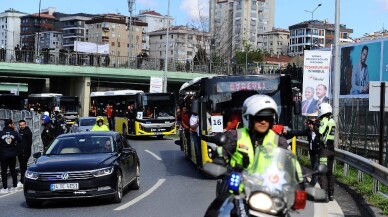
(10,28)
(155,21)
(234,22)
(74,29)
(32,24)
(275,42)
(183,43)
(50,40)
(112,29)
(315,34)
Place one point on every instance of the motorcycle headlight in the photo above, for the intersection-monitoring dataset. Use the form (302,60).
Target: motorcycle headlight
(31,175)
(260,202)
(102,172)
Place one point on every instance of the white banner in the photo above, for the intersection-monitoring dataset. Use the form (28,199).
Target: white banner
(316,80)
(89,47)
(156,85)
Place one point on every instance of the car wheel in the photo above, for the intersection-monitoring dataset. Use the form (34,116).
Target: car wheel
(119,188)
(136,183)
(33,203)
(159,136)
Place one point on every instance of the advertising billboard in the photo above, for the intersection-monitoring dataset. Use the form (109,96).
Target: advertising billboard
(361,63)
(316,80)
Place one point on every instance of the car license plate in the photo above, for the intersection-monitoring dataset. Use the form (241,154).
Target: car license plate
(158,133)
(64,186)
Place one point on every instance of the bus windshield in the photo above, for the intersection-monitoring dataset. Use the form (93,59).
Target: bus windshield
(161,105)
(69,104)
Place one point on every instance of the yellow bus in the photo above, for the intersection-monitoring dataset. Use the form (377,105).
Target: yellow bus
(153,114)
(218,97)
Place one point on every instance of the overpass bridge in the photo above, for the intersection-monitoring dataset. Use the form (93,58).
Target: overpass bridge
(81,80)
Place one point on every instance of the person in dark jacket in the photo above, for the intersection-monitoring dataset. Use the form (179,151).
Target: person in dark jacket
(313,141)
(24,149)
(48,133)
(9,138)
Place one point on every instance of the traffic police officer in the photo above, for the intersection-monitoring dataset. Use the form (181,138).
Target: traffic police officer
(326,133)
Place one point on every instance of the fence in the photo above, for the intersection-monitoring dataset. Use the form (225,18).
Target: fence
(33,122)
(145,63)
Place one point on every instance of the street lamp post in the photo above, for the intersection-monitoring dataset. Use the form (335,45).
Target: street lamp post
(166,59)
(312,18)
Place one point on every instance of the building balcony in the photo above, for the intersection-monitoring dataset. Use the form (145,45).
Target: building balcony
(105,29)
(105,38)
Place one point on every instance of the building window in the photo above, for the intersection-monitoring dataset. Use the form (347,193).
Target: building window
(161,37)
(113,43)
(118,44)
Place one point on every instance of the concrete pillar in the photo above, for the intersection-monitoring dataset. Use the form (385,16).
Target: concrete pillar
(81,87)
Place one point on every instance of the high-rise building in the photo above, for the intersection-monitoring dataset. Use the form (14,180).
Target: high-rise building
(50,40)
(10,28)
(234,23)
(155,22)
(315,34)
(74,29)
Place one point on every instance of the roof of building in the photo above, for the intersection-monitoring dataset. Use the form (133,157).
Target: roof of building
(151,13)
(281,59)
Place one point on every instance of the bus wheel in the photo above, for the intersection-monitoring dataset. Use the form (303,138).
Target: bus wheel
(125,132)
(159,136)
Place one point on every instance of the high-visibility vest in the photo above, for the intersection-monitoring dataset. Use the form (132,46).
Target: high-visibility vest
(244,145)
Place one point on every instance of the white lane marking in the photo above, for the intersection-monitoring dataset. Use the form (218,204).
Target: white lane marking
(8,194)
(153,154)
(142,196)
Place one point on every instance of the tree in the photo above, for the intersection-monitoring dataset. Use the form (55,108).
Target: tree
(249,55)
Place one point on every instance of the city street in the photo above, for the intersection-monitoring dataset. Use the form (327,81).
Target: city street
(170,186)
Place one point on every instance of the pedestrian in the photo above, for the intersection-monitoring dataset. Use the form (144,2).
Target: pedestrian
(313,142)
(194,129)
(9,138)
(326,133)
(185,125)
(48,133)
(24,149)
(110,114)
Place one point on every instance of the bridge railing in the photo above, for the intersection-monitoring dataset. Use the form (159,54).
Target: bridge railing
(139,62)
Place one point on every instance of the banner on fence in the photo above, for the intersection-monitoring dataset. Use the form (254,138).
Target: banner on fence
(316,80)
(89,47)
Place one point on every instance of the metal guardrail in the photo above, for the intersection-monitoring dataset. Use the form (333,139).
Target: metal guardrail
(373,169)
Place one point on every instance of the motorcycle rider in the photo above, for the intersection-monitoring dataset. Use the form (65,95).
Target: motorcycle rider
(326,133)
(259,113)
(100,126)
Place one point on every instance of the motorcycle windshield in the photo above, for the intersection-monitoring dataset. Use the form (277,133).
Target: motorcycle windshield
(273,171)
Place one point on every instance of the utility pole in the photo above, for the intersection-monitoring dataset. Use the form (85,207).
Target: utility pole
(130,6)
(38,40)
(166,58)
(336,73)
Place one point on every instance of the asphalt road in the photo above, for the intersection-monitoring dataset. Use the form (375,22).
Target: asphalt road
(170,186)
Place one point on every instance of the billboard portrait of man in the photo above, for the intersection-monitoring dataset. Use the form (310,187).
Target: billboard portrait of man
(309,105)
(360,63)
(321,91)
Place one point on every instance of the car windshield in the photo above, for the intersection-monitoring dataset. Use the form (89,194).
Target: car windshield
(87,122)
(81,145)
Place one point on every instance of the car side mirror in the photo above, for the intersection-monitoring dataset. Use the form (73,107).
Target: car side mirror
(37,155)
(127,151)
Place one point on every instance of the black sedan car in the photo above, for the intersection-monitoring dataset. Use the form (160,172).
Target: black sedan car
(83,165)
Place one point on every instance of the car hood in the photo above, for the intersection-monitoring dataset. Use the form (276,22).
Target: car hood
(72,162)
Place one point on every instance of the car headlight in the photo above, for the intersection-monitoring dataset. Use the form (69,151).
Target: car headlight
(31,175)
(260,202)
(102,172)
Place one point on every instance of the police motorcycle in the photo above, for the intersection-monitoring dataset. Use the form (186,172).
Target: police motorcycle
(270,187)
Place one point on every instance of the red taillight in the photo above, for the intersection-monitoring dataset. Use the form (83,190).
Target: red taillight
(300,199)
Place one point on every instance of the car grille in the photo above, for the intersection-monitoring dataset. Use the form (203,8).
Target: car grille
(61,176)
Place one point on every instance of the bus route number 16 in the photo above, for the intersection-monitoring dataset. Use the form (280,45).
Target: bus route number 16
(217,124)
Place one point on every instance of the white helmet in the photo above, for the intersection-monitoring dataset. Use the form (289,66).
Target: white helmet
(258,105)
(324,109)
(46,113)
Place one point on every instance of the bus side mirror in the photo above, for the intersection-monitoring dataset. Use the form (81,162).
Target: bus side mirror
(298,107)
